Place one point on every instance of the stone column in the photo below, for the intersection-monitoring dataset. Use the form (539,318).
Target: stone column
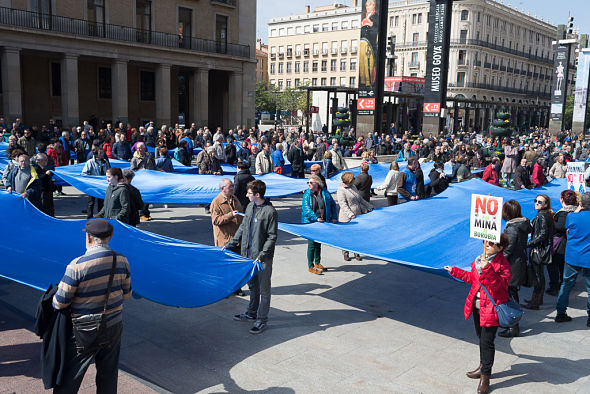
(163,95)
(235,99)
(120,99)
(70,108)
(11,85)
(200,100)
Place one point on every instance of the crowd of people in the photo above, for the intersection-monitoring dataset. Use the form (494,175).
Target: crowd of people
(245,221)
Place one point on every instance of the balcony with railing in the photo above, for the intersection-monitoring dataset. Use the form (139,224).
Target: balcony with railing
(495,66)
(228,3)
(502,48)
(414,64)
(22,19)
(487,65)
(505,89)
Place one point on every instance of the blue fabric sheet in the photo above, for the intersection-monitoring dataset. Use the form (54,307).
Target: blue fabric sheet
(426,234)
(171,188)
(165,270)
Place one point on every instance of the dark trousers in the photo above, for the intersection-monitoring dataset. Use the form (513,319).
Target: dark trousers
(90,209)
(555,271)
(314,253)
(145,211)
(540,276)
(260,293)
(47,206)
(513,293)
(392,200)
(107,365)
(487,349)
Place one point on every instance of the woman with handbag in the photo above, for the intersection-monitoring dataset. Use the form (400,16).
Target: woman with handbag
(517,229)
(540,245)
(352,204)
(569,203)
(491,270)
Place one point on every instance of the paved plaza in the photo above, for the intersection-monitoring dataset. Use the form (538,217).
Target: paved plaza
(363,327)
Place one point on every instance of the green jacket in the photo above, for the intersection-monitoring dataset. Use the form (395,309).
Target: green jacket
(116,203)
(263,235)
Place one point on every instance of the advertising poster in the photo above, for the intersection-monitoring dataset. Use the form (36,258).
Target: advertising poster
(559,84)
(486,217)
(581,95)
(368,57)
(437,57)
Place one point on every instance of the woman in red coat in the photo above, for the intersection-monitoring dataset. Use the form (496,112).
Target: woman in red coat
(490,174)
(493,271)
(538,177)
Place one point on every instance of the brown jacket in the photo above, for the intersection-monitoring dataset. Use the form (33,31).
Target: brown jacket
(225,224)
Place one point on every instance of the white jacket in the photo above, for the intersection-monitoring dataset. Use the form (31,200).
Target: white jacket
(351,203)
(263,166)
(389,187)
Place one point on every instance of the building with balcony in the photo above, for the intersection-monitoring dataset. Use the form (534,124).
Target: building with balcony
(128,60)
(261,62)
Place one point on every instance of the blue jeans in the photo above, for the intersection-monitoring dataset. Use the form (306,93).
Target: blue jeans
(570,274)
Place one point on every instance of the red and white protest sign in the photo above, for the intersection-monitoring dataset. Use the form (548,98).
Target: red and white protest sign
(486,218)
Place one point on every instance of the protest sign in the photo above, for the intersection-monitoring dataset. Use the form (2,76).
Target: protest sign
(575,176)
(486,218)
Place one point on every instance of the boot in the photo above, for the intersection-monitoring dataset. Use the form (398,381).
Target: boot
(358,257)
(475,374)
(510,332)
(484,384)
(346,256)
(535,301)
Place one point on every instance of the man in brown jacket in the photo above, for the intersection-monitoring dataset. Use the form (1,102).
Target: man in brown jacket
(225,209)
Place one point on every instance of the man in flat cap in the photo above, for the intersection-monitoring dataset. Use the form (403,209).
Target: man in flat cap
(84,288)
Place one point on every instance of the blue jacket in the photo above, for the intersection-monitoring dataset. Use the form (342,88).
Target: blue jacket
(307,213)
(164,164)
(122,151)
(277,158)
(577,248)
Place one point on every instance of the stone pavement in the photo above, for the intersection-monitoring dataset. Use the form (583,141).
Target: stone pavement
(367,326)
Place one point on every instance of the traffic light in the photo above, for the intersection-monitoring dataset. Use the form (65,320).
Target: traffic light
(570,25)
(390,44)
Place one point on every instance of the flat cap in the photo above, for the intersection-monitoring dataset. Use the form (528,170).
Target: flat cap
(100,228)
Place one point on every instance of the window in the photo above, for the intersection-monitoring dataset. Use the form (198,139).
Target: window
(334,26)
(143,19)
(280,84)
(307,29)
(479,19)
(316,28)
(95,15)
(333,81)
(297,67)
(460,79)
(333,65)
(298,30)
(325,27)
(344,25)
(281,68)
(352,82)
(461,58)
(314,82)
(414,59)
(314,67)
(273,68)
(272,82)
(414,18)
(323,81)
(221,33)
(354,24)
(342,81)
(324,65)
(185,27)
(56,79)
(342,64)
(305,67)
(391,21)
(352,64)
(463,37)
(464,15)
(297,82)
(147,85)
(105,90)
(420,18)
(273,32)
(282,32)
(354,44)
(415,37)
(289,31)
(288,84)
(316,48)
(289,68)
(396,23)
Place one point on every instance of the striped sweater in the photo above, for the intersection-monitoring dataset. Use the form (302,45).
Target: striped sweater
(84,285)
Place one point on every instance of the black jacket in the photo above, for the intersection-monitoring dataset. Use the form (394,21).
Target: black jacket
(420,192)
(522,178)
(241,180)
(437,184)
(55,328)
(231,156)
(135,204)
(560,230)
(385,148)
(543,229)
(295,156)
(116,203)
(517,230)
(363,182)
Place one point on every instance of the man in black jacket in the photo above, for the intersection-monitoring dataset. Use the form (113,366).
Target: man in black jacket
(295,156)
(241,180)
(135,200)
(522,178)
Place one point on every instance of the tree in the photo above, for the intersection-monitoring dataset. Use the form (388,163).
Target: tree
(293,100)
(569,112)
(267,97)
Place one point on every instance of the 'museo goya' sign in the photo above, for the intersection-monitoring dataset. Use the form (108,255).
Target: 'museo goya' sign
(486,218)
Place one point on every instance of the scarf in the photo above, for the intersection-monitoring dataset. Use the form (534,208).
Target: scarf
(478,262)
(568,208)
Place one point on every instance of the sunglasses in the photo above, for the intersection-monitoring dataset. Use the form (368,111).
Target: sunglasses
(539,202)
(490,243)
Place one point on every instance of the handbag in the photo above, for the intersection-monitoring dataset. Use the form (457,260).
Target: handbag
(542,254)
(90,330)
(556,242)
(509,313)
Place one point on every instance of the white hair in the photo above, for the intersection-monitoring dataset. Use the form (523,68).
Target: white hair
(224,182)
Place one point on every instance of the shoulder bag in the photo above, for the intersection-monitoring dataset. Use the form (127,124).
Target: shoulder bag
(90,330)
(509,313)
(541,255)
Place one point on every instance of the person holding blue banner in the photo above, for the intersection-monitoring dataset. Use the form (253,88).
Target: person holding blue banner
(492,271)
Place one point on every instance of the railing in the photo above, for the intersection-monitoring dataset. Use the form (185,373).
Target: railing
(231,3)
(80,27)
(502,68)
(502,48)
(353,50)
(487,65)
(487,86)
(477,63)
(510,69)
(413,64)
(495,66)
(412,44)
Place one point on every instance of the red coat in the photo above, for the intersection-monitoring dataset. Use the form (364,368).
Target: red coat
(495,277)
(491,176)
(538,177)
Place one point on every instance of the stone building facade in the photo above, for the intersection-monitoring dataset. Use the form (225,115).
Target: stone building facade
(128,60)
